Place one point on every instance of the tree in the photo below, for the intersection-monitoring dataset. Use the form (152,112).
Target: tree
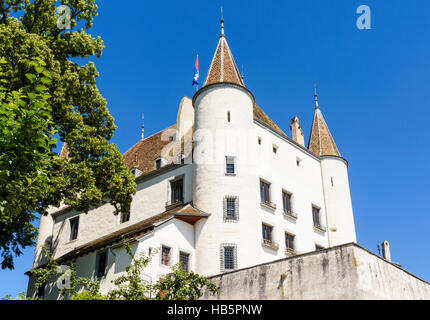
(36,54)
(179,285)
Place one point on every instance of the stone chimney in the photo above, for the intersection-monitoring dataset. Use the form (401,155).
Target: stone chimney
(386,250)
(296,130)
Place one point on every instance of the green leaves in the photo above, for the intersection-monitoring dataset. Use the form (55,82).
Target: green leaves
(44,94)
(180,285)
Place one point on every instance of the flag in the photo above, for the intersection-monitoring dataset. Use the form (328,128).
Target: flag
(196,73)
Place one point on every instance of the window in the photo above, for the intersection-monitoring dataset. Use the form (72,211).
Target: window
(74,226)
(101,264)
(286,200)
(318,247)
(275,149)
(264,191)
(267,233)
(228,257)
(176,191)
(229,167)
(184,258)
(298,161)
(149,251)
(332,182)
(165,255)
(41,291)
(316,216)
(259,140)
(228,116)
(289,241)
(125,217)
(231,208)
(157,163)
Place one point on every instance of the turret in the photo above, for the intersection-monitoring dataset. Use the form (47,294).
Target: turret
(223,169)
(334,174)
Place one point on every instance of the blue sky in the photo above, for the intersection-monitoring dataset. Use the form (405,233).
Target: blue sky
(373,90)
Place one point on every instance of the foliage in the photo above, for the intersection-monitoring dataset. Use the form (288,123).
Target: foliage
(21,296)
(179,285)
(183,285)
(46,95)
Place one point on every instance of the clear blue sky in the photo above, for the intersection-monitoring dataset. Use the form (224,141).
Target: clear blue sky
(373,90)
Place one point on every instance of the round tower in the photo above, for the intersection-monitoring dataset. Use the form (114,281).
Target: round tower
(334,175)
(224,178)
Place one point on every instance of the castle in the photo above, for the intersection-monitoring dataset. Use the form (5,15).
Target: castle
(222,189)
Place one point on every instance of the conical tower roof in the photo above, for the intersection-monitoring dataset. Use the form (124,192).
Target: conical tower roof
(223,68)
(320,141)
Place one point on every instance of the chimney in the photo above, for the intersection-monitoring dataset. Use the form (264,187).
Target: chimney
(386,250)
(296,130)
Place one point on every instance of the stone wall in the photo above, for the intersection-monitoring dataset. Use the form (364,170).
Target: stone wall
(343,272)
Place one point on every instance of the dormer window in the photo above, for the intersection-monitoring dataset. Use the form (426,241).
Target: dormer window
(157,163)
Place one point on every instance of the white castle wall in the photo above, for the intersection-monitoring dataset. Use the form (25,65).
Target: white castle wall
(338,200)
(176,234)
(303,181)
(149,200)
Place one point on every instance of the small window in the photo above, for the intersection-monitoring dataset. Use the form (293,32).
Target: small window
(165,255)
(149,251)
(259,140)
(228,116)
(157,163)
(125,217)
(177,191)
(275,149)
(229,167)
(289,241)
(74,226)
(228,257)
(231,208)
(298,161)
(316,216)
(318,247)
(286,200)
(265,191)
(184,258)
(332,182)
(101,264)
(41,291)
(267,233)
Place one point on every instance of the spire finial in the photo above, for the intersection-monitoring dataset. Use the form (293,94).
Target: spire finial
(222,23)
(143,127)
(316,96)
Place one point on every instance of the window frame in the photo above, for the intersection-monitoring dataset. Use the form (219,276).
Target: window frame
(223,259)
(226,216)
(290,201)
(230,160)
(74,235)
(98,259)
(270,228)
(264,182)
(157,161)
(293,238)
(319,225)
(169,258)
(181,252)
(173,196)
